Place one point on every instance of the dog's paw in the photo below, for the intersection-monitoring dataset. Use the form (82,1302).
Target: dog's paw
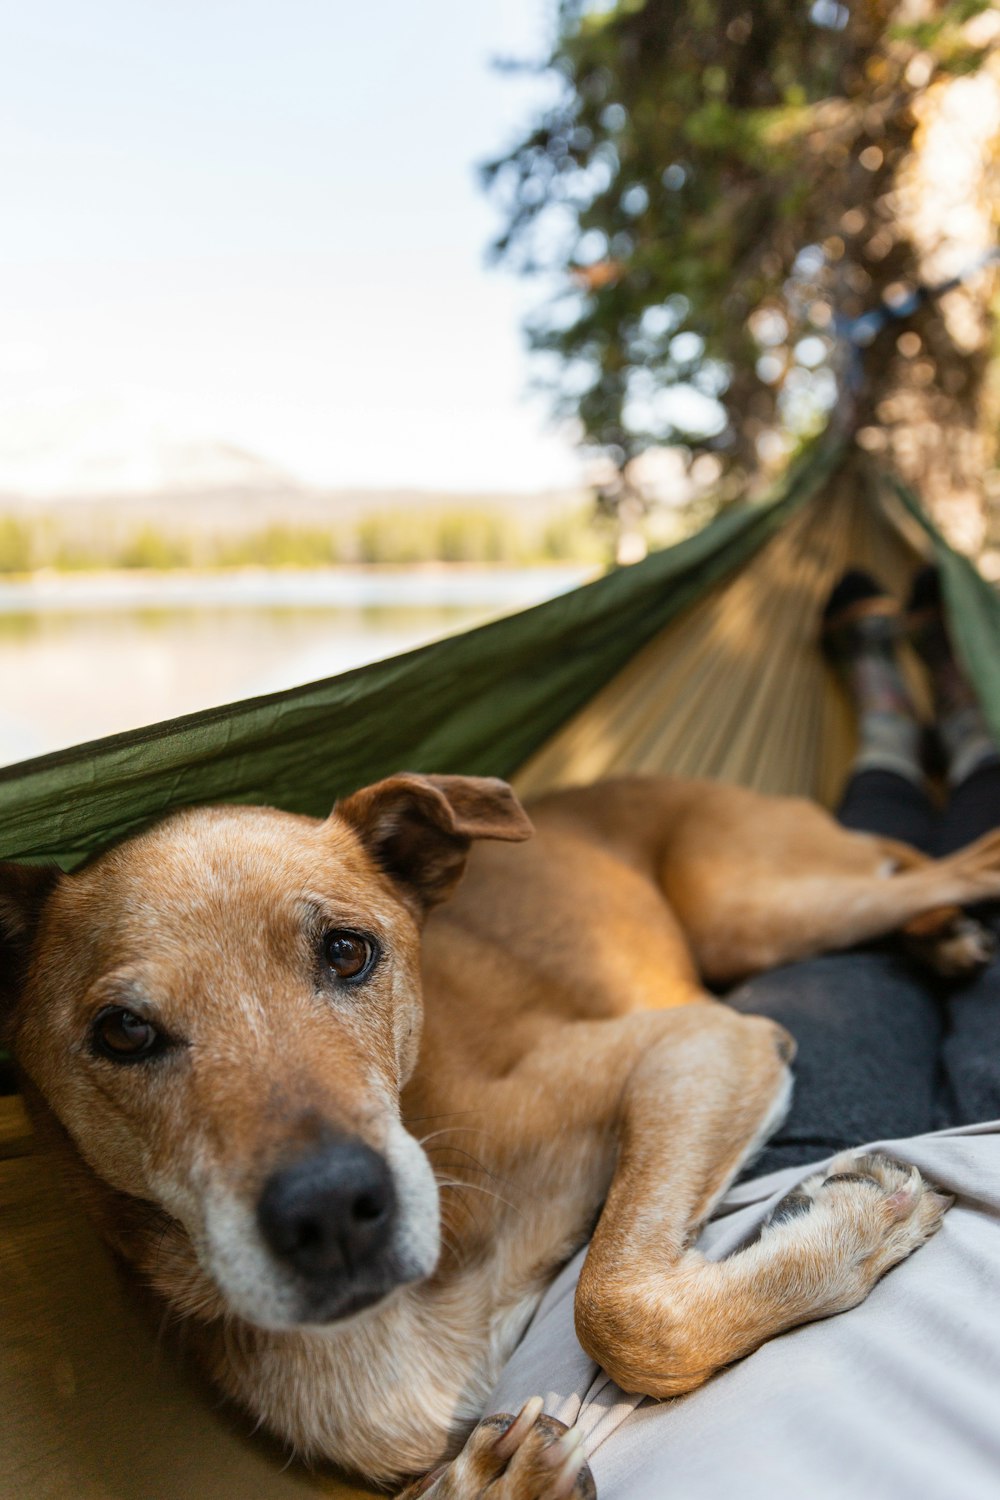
(527,1457)
(862,1216)
(960,949)
(967,949)
(978,865)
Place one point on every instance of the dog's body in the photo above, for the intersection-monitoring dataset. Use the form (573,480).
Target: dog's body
(570,1058)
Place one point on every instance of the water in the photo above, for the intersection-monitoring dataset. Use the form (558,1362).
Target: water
(84,656)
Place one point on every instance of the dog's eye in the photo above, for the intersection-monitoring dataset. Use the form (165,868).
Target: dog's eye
(125,1037)
(348,954)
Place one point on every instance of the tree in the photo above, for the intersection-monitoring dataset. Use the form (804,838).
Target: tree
(718,194)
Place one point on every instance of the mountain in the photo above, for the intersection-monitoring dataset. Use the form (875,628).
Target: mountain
(95,463)
(84,461)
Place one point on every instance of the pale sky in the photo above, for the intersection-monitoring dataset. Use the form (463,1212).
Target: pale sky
(257,221)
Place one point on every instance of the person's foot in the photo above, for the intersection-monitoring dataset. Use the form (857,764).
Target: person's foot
(859,616)
(860,630)
(928,634)
(965,738)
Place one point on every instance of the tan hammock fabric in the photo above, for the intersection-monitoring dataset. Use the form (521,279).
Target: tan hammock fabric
(95,1405)
(735,687)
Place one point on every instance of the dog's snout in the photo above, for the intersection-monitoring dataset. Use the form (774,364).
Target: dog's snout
(331,1211)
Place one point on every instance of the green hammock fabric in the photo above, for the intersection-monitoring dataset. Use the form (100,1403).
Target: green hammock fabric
(973,608)
(478,703)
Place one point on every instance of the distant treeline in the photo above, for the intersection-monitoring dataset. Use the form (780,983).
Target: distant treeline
(389,537)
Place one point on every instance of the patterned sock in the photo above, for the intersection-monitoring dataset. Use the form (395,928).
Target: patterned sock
(964,733)
(889,732)
(968,743)
(860,632)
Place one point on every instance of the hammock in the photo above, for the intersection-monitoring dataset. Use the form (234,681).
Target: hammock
(700,661)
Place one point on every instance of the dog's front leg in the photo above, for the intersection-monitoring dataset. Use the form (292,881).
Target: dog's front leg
(655,1313)
(527,1457)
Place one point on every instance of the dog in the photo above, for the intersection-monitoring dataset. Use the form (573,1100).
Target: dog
(347,1116)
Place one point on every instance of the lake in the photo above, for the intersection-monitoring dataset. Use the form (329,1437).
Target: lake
(86,655)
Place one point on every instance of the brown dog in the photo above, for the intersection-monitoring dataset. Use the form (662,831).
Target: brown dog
(354,1180)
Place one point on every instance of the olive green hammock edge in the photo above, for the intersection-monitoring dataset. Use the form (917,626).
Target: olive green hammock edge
(479,703)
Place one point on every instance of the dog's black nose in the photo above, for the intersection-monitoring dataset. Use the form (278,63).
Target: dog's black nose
(331,1211)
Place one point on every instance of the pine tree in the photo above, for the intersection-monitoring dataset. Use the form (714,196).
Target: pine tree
(721,191)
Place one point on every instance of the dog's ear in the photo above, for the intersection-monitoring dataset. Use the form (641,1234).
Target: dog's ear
(23,891)
(419,828)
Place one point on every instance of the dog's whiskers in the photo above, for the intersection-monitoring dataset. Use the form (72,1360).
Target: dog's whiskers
(451,1130)
(451,1249)
(461,1203)
(454,1114)
(447,1146)
(477,1187)
(477,1165)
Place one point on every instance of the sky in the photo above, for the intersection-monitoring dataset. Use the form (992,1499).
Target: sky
(257,222)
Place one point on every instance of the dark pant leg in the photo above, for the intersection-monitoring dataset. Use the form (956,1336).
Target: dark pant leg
(974,809)
(971,1052)
(868,1029)
(883,802)
(971,1049)
(867,1066)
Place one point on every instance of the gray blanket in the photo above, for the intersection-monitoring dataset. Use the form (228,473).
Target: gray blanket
(898,1399)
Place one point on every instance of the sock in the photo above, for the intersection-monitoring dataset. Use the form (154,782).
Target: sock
(859,634)
(965,736)
(889,732)
(968,742)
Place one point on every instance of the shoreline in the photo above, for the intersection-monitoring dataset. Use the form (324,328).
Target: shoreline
(340,586)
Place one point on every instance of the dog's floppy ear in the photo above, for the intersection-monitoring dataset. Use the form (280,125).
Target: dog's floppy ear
(23,891)
(419,828)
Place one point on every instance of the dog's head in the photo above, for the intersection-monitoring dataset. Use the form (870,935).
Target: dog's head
(221,1014)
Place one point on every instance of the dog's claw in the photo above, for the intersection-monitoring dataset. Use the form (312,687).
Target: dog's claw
(535,1457)
(567,1457)
(509,1441)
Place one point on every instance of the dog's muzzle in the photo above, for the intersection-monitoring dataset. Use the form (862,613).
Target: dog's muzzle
(330,1217)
